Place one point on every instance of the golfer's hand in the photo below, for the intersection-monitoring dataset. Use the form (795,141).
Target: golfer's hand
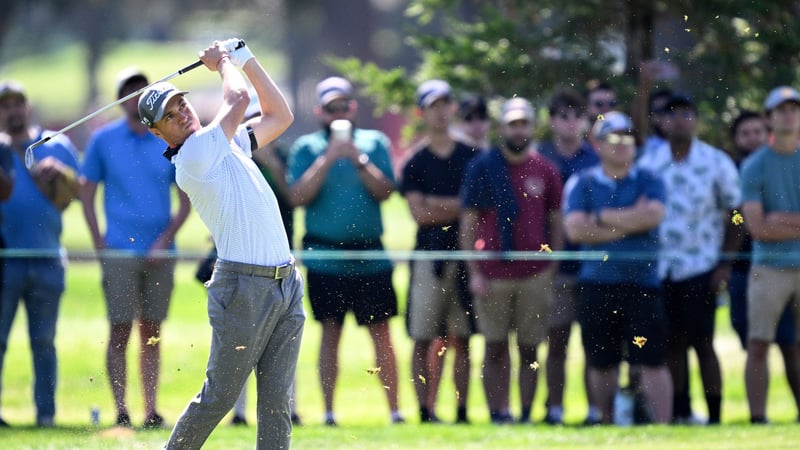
(213,55)
(239,56)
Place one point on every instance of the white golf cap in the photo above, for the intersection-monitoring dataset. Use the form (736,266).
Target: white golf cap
(612,122)
(515,109)
(780,95)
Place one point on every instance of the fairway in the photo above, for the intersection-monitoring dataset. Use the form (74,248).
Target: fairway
(360,403)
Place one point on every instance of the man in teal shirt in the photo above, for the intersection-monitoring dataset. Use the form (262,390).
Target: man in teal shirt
(771,209)
(341,181)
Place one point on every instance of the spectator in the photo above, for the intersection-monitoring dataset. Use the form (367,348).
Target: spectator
(571,153)
(511,200)
(600,99)
(472,123)
(438,302)
(615,208)
(32,222)
(770,179)
(341,181)
(703,187)
(750,132)
(657,120)
(137,277)
(6,187)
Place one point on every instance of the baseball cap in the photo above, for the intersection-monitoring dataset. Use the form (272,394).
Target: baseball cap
(517,108)
(332,88)
(473,105)
(11,87)
(780,95)
(129,75)
(679,99)
(432,90)
(612,122)
(153,101)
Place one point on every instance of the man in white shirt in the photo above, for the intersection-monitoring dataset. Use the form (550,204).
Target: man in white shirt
(703,188)
(255,294)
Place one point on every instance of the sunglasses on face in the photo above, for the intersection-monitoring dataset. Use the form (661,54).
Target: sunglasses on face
(620,139)
(336,107)
(604,103)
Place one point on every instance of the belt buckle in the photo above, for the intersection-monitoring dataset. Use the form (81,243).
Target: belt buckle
(278,270)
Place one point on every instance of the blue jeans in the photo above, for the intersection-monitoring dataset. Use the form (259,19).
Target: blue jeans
(39,282)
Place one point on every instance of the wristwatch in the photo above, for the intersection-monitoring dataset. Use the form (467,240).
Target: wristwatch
(363,160)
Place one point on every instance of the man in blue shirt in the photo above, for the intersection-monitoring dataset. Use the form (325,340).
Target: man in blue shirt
(570,152)
(32,222)
(616,209)
(137,277)
(341,181)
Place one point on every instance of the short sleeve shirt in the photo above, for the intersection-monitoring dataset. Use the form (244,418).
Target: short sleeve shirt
(537,188)
(429,174)
(136,182)
(31,221)
(343,212)
(702,188)
(631,259)
(773,180)
(232,197)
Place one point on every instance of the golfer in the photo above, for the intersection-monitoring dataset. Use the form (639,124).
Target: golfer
(255,294)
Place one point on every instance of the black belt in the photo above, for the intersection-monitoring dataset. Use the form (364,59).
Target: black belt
(274,272)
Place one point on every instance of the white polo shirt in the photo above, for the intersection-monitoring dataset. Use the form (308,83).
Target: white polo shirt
(232,197)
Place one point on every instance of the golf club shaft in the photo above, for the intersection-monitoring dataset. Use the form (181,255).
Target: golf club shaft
(29,160)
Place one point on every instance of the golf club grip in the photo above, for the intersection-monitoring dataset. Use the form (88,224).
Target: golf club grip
(197,64)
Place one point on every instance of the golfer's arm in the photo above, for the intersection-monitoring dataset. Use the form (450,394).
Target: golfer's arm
(234,98)
(276,116)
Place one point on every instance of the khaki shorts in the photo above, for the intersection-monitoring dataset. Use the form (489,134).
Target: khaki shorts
(133,288)
(434,306)
(565,293)
(770,289)
(519,304)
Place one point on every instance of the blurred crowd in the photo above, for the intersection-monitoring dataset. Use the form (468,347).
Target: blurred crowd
(671,225)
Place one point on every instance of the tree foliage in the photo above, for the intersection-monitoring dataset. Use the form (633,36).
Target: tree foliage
(729,53)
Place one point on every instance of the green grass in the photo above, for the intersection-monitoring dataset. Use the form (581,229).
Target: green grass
(361,406)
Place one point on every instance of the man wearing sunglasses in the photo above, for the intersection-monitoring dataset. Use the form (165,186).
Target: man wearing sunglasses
(341,177)
(615,208)
(600,99)
(571,153)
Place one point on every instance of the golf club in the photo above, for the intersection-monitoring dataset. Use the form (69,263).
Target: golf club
(29,159)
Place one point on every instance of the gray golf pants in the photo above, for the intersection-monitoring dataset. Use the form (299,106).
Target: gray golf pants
(257,323)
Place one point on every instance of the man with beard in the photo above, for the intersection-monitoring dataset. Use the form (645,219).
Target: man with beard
(341,180)
(511,201)
(32,221)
